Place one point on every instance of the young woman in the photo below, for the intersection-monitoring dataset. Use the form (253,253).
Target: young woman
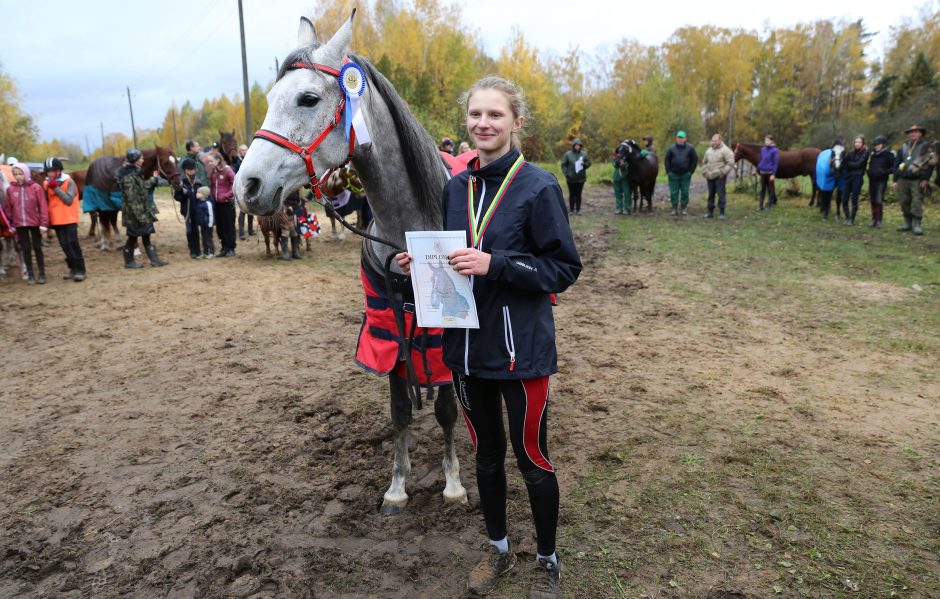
(221,179)
(138,212)
(880,168)
(28,212)
(856,163)
(520,250)
(767,167)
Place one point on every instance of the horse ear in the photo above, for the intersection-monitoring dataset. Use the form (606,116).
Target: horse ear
(339,43)
(306,33)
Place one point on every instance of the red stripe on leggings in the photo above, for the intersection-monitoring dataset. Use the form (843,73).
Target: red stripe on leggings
(473,433)
(536,401)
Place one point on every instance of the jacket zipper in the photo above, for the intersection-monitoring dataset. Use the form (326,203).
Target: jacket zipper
(508,338)
(466,345)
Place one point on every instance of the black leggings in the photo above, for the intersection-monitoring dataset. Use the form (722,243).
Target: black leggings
(574,195)
(527,411)
(132,241)
(30,242)
(767,185)
(68,240)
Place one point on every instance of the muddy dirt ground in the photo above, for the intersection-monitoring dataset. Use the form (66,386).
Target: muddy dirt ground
(200,430)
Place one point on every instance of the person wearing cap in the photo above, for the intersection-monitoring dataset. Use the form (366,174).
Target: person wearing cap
(138,212)
(197,210)
(64,213)
(447,146)
(681,161)
(28,211)
(767,169)
(911,178)
(880,167)
(574,165)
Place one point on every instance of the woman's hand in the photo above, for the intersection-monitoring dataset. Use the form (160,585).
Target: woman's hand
(404,262)
(470,261)
(772,177)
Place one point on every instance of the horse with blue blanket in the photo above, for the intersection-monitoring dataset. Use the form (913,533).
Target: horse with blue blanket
(101,195)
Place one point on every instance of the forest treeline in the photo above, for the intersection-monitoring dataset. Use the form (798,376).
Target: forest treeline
(806,84)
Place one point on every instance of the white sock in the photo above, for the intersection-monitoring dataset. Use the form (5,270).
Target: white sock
(501,545)
(553,558)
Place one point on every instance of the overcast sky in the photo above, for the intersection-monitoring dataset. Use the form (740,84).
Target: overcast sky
(72,60)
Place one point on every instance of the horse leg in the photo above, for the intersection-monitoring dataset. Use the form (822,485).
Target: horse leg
(445,410)
(94,223)
(396,498)
(267,242)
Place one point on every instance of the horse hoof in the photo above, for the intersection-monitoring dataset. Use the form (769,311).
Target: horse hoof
(460,498)
(388,509)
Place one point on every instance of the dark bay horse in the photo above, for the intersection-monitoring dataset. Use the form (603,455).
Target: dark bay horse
(795,163)
(641,173)
(403,177)
(100,190)
(228,146)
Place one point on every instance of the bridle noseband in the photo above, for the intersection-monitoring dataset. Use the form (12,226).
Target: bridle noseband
(306,152)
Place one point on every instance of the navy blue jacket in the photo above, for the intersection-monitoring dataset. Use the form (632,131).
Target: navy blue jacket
(881,165)
(533,254)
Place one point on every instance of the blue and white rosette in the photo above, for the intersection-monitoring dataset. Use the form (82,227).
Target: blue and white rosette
(352,80)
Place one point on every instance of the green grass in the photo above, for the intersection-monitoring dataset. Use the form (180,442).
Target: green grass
(773,259)
(777,501)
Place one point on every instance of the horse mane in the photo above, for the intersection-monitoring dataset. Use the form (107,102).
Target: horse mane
(423,166)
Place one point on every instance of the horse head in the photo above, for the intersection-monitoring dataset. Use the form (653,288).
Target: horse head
(228,145)
(838,156)
(305,109)
(167,166)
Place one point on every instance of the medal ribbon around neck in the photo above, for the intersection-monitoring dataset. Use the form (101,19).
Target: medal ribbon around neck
(477,231)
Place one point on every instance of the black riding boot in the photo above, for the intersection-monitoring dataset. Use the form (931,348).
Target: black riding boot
(79,270)
(285,250)
(71,274)
(129,259)
(154,258)
(295,248)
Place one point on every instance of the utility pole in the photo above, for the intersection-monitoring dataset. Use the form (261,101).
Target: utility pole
(87,147)
(131,106)
(277,66)
(176,140)
(241,27)
(103,150)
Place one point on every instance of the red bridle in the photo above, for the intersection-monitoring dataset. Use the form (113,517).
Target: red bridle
(307,152)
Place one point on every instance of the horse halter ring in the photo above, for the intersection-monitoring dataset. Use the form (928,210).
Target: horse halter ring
(306,153)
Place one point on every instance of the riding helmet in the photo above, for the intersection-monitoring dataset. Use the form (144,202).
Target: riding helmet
(52,164)
(187,163)
(133,155)
(881,139)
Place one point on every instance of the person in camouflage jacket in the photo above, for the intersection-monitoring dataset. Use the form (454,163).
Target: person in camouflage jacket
(138,212)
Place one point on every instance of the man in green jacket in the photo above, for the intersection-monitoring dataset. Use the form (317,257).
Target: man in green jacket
(911,178)
(574,165)
(681,160)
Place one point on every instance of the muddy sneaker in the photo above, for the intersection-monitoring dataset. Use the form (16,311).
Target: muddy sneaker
(486,573)
(547,583)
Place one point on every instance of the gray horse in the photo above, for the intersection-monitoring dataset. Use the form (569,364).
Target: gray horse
(401,172)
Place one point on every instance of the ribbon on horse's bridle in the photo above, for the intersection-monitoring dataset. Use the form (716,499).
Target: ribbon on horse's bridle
(306,152)
(394,283)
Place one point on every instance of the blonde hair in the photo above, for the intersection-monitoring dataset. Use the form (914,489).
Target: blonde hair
(514,95)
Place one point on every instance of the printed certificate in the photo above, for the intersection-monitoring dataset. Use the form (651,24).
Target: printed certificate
(443,298)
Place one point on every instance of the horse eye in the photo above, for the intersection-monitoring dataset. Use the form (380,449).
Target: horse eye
(307,100)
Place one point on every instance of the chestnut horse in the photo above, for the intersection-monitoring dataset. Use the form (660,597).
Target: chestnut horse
(796,163)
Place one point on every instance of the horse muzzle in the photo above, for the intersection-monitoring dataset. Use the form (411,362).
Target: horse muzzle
(254,197)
